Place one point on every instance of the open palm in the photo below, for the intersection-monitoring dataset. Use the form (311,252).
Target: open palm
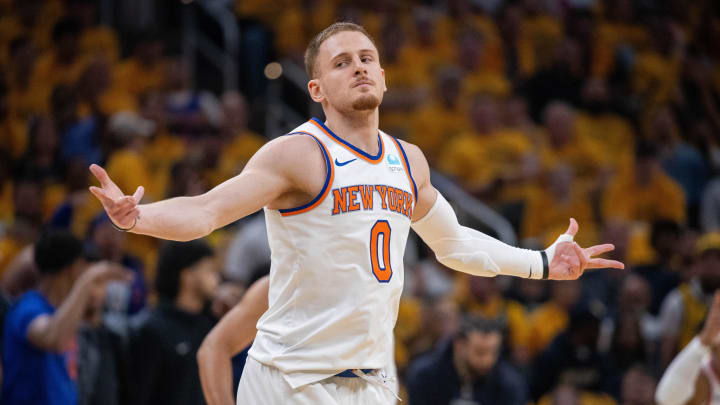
(122,209)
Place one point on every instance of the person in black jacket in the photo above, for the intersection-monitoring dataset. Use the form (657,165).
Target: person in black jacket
(165,346)
(467,370)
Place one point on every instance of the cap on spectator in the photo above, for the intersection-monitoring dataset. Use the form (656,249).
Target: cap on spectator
(126,124)
(707,242)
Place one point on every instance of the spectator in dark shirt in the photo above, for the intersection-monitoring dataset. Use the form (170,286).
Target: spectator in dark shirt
(467,370)
(573,358)
(39,359)
(163,351)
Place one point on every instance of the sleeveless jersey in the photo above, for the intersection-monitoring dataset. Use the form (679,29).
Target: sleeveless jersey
(337,263)
(712,377)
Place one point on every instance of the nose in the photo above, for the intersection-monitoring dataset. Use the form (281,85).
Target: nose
(360,68)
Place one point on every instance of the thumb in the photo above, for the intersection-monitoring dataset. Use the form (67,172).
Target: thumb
(573,228)
(139,194)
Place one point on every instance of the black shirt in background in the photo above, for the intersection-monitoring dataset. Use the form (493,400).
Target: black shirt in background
(164,367)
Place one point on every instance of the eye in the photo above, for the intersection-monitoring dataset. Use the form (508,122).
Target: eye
(366,59)
(341,64)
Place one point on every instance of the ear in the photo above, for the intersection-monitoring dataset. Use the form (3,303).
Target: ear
(315,91)
(382,72)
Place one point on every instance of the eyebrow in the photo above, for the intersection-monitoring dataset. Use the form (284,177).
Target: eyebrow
(348,53)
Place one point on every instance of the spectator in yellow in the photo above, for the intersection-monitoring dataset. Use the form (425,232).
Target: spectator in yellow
(25,97)
(406,82)
(28,195)
(63,63)
(615,31)
(472,52)
(435,124)
(644,193)
(552,317)
(163,148)
(551,201)
(685,308)
(563,145)
(96,40)
(597,122)
(145,69)
(127,164)
(539,34)
(481,296)
(489,158)
(240,141)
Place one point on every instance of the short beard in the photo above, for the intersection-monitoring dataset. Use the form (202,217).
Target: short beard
(365,103)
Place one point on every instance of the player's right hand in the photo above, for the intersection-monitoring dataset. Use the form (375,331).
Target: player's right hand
(122,209)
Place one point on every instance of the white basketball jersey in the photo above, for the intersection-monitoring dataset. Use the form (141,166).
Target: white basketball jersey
(337,264)
(713,379)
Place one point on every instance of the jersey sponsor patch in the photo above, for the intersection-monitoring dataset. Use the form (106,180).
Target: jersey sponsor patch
(394,164)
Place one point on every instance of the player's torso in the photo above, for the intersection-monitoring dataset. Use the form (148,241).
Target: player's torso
(337,270)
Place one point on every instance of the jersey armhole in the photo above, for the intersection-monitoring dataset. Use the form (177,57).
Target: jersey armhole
(406,163)
(329,176)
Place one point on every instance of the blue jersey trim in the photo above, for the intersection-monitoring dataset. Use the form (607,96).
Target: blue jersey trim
(351,146)
(407,162)
(328,175)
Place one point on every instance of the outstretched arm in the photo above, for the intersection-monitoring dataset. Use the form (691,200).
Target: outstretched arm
(269,174)
(682,382)
(473,252)
(230,336)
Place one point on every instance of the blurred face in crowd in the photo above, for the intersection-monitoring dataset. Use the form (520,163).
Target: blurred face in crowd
(348,76)
(560,181)
(449,87)
(565,395)
(483,288)
(43,137)
(560,123)
(203,278)
(638,388)
(566,294)
(28,196)
(234,111)
(471,46)
(708,267)
(109,242)
(634,295)
(484,115)
(478,351)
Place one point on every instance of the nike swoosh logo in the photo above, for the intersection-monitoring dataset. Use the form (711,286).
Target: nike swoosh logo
(343,163)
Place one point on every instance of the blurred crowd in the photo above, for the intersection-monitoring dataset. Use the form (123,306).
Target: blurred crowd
(605,111)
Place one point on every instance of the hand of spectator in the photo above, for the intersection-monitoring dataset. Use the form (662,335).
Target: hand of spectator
(103,272)
(711,330)
(569,260)
(122,209)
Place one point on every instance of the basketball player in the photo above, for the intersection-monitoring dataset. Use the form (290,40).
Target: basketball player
(693,377)
(340,197)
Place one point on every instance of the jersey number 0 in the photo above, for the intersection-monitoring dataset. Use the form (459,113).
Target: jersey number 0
(382,272)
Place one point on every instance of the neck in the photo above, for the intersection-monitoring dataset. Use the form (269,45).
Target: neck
(359,128)
(55,289)
(189,302)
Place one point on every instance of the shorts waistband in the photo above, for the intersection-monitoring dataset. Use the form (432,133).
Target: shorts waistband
(350,373)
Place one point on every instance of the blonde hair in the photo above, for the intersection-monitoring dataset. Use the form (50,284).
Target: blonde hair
(314,45)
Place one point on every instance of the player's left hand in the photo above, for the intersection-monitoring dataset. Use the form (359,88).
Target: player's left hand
(569,260)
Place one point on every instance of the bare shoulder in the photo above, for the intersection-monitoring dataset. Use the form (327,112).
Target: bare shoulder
(287,149)
(418,163)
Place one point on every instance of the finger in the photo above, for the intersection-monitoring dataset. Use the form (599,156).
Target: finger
(100,174)
(100,194)
(128,218)
(604,264)
(599,249)
(573,228)
(139,194)
(581,254)
(122,206)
